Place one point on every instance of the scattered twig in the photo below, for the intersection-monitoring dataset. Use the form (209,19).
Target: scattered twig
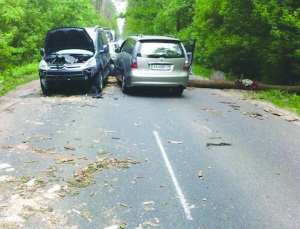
(218,144)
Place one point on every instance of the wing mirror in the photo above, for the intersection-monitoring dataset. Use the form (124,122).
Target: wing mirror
(42,52)
(117,48)
(105,49)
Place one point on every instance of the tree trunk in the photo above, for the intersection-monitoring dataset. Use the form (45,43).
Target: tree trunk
(231,85)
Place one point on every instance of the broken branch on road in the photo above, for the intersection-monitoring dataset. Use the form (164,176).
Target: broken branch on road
(218,144)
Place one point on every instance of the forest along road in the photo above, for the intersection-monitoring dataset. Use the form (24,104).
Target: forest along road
(207,159)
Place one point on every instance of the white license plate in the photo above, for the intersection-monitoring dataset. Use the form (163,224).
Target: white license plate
(161,67)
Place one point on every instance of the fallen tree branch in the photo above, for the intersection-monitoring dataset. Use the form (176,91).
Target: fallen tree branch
(231,85)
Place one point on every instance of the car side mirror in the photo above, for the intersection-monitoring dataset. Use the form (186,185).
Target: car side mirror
(105,49)
(117,48)
(42,52)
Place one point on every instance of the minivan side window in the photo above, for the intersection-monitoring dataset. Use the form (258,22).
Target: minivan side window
(128,46)
(102,40)
(100,46)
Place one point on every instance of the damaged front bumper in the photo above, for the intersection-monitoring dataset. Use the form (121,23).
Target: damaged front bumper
(59,74)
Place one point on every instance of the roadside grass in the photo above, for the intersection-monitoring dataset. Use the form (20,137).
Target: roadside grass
(206,73)
(280,99)
(201,71)
(12,78)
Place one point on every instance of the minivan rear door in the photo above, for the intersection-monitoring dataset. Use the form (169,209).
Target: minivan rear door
(160,57)
(189,45)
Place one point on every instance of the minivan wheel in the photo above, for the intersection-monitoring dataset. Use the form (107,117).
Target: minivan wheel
(177,91)
(119,82)
(124,87)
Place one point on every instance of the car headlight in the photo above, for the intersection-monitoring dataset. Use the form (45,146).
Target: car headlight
(91,63)
(43,65)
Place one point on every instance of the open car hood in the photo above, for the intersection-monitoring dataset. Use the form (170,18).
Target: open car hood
(68,38)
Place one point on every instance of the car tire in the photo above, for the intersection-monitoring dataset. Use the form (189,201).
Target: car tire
(45,88)
(119,82)
(105,81)
(124,87)
(177,91)
(99,82)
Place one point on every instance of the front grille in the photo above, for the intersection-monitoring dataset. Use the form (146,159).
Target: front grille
(64,67)
(66,75)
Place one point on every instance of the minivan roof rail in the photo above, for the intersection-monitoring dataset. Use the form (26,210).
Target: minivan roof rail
(138,35)
(96,27)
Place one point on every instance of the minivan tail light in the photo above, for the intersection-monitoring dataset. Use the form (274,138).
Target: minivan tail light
(134,63)
(186,67)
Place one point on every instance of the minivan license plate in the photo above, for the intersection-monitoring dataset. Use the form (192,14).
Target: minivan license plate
(161,67)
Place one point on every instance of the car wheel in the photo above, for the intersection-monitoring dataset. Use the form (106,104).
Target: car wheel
(124,87)
(99,82)
(105,81)
(177,91)
(45,88)
(111,69)
(119,82)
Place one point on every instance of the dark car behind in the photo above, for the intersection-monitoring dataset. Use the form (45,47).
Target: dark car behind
(74,56)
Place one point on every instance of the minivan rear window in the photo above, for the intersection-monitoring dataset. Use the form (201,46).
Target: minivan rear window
(155,49)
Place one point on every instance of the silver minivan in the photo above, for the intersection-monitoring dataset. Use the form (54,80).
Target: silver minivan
(152,61)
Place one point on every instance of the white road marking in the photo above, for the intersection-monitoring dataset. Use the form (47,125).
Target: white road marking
(174,179)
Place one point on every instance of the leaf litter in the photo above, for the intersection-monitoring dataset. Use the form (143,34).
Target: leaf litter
(84,177)
(200,175)
(149,205)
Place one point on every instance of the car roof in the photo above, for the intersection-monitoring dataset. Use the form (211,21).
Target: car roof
(93,29)
(141,37)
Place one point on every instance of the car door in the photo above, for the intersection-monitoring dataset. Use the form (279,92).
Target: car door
(189,45)
(124,57)
(104,53)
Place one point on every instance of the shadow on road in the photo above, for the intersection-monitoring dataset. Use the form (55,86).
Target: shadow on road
(153,92)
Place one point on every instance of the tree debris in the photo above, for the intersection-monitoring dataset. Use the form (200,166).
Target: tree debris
(218,144)
(83,177)
(65,160)
(200,175)
(174,142)
(124,205)
(72,148)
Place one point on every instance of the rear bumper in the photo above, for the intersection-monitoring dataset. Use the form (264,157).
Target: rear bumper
(158,80)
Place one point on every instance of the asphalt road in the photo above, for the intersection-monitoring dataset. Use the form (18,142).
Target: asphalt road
(207,159)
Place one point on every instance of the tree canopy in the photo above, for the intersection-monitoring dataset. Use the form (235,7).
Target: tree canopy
(24,23)
(257,39)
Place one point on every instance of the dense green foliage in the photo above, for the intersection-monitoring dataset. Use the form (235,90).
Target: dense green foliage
(24,23)
(257,39)
(18,76)
(254,39)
